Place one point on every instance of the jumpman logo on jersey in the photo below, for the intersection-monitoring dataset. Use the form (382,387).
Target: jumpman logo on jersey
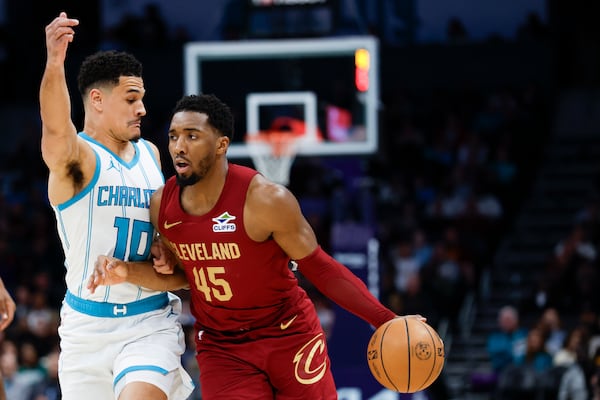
(114,165)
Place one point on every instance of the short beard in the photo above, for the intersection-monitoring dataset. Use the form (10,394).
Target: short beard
(183,181)
(203,167)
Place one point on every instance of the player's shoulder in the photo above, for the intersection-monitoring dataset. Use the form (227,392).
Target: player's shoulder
(150,146)
(156,198)
(264,193)
(169,186)
(148,143)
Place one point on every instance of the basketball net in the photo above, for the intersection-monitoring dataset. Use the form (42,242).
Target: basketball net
(273,153)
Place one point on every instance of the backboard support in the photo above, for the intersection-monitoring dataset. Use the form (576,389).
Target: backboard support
(328,83)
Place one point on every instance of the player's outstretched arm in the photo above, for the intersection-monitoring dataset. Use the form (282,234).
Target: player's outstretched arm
(58,131)
(7,307)
(112,271)
(294,234)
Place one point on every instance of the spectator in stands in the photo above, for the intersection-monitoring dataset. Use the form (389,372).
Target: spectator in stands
(595,386)
(571,356)
(550,323)
(449,274)
(48,388)
(593,342)
(422,247)
(508,343)
(567,264)
(536,355)
(573,384)
(18,384)
(573,349)
(405,262)
(586,280)
(589,215)
(576,244)
(29,358)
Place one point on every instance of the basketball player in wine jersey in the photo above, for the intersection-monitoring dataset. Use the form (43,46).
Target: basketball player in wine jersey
(235,234)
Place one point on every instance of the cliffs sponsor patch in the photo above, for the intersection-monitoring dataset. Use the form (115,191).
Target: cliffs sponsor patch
(223,223)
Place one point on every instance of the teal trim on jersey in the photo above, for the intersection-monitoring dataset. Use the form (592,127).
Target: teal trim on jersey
(88,242)
(63,231)
(86,189)
(153,155)
(146,179)
(154,368)
(116,310)
(129,164)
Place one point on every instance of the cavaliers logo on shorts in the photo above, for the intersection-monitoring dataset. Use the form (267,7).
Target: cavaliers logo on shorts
(311,361)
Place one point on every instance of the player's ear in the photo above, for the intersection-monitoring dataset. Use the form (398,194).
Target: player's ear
(95,98)
(222,144)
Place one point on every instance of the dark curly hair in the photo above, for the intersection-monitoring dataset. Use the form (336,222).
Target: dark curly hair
(219,114)
(106,67)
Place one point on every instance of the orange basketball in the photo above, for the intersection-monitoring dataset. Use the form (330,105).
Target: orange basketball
(405,354)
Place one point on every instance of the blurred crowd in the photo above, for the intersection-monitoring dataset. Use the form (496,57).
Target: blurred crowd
(553,356)
(550,341)
(451,171)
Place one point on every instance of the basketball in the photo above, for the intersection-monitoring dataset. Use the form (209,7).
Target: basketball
(405,355)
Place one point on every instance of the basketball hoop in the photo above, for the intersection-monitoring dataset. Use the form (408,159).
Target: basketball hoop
(273,153)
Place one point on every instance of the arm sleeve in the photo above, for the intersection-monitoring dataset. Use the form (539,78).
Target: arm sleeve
(339,284)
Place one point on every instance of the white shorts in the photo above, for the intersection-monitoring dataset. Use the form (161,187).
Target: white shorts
(100,355)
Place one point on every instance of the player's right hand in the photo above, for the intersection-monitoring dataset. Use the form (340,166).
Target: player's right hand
(7,308)
(163,260)
(59,33)
(107,271)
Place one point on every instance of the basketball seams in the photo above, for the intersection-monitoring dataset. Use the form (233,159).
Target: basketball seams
(408,353)
(389,324)
(433,341)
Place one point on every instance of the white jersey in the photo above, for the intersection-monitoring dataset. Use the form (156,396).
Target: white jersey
(110,217)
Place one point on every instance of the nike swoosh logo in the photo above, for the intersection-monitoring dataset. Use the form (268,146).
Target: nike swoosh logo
(168,226)
(285,325)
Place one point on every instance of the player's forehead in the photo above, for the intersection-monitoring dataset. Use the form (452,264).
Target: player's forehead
(188,120)
(131,84)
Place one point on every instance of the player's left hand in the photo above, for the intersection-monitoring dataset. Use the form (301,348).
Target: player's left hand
(164,261)
(107,271)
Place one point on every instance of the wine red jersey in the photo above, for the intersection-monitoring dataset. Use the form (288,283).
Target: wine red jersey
(236,283)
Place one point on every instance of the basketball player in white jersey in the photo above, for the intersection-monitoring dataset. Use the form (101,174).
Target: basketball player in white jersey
(121,342)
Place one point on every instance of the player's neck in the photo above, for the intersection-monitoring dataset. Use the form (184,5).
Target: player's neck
(122,148)
(201,197)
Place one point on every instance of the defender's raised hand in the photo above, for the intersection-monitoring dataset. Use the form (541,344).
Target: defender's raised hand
(59,33)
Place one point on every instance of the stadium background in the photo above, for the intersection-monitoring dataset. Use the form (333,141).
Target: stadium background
(478,97)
